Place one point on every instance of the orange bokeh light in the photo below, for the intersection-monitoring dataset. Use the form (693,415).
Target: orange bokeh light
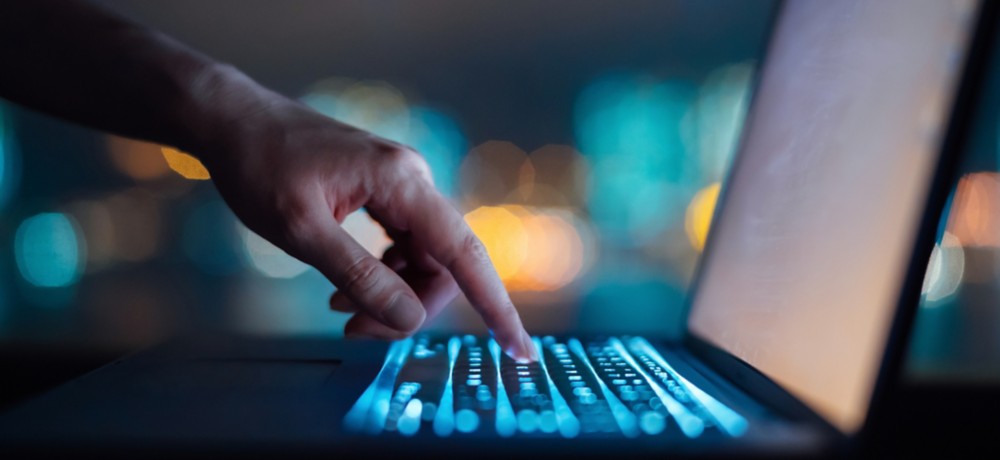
(975,211)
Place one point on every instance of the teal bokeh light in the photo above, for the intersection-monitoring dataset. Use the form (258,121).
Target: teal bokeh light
(9,160)
(209,239)
(49,251)
(644,174)
(382,110)
(440,140)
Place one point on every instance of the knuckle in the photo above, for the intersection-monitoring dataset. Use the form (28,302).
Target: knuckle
(470,247)
(361,276)
(475,248)
(405,163)
(296,222)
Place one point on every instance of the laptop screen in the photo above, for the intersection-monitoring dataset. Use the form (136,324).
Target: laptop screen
(807,259)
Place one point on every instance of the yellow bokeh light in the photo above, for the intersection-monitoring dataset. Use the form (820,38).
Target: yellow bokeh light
(184,164)
(699,215)
(139,160)
(532,249)
(504,236)
(491,172)
(374,106)
(975,210)
(555,253)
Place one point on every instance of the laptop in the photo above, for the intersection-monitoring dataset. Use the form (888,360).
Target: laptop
(796,325)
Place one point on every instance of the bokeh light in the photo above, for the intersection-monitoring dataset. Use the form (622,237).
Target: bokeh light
(98,227)
(285,306)
(273,262)
(209,239)
(49,251)
(137,159)
(975,210)
(630,125)
(504,236)
(533,249)
(698,219)
(9,160)
(136,217)
(184,164)
(491,172)
(554,252)
(380,108)
(375,106)
(267,258)
(654,143)
(368,233)
(714,122)
(555,176)
(440,140)
(126,226)
(944,271)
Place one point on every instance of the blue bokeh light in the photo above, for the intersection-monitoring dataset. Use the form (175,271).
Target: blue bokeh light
(9,160)
(49,251)
(381,109)
(630,125)
(440,140)
(210,240)
(466,421)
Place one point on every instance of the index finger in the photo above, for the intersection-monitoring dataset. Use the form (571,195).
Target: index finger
(440,228)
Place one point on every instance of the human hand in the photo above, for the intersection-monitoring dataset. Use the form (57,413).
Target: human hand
(293,175)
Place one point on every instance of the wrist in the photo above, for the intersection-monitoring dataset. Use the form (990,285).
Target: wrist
(217,104)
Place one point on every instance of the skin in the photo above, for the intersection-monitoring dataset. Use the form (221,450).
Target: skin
(289,173)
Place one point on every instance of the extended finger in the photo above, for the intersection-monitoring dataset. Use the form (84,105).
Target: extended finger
(440,229)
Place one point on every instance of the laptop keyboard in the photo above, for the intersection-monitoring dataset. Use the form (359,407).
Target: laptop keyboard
(454,386)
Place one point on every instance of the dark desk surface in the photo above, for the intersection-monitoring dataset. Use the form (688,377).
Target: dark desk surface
(956,420)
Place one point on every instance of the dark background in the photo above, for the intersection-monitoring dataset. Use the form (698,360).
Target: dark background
(528,73)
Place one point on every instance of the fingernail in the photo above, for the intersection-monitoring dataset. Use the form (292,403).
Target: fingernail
(403,314)
(528,351)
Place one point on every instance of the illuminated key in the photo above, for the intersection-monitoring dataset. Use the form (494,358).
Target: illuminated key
(726,419)
(370,411)
(506,421)
(444,419)
(623,416)
(566,421)
(690,424)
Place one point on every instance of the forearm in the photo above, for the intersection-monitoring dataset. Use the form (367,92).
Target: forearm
(80,62)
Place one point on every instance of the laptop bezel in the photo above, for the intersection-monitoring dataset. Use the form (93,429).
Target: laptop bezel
(763,388)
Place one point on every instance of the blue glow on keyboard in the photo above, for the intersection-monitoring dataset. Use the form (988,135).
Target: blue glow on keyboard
(444,421)
(370,411)
(625,418)
(506,422)
(652,422)
(566,421)
(466,420)
(608,387)
(728,420)
(690,424)
(409,422)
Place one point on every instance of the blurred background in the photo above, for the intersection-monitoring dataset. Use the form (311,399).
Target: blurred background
(584,141)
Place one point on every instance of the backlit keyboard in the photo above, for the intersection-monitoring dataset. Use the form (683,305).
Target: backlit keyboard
(467,386)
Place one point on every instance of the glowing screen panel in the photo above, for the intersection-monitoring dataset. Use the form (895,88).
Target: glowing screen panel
(808,256)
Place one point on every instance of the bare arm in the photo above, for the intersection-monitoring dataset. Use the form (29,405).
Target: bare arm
(290,174)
